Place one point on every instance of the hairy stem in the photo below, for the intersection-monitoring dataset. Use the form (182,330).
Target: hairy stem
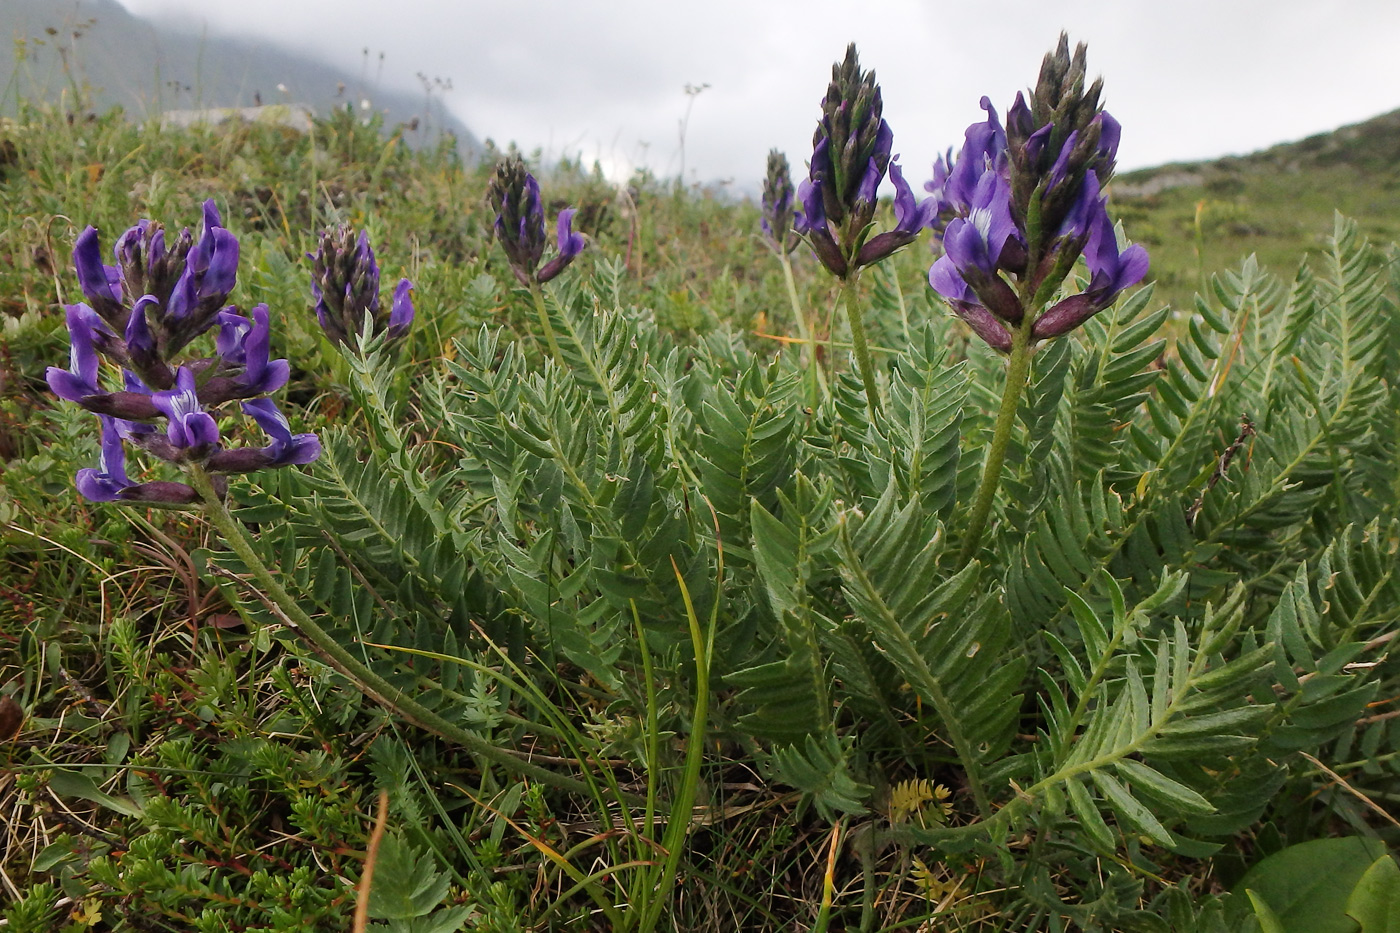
(368,682)
(867,370)
(1018,371)
(537,293)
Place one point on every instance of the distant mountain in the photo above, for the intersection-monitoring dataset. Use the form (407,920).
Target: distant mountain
(96,48)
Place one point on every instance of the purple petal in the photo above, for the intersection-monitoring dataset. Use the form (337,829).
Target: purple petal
(1035,143)
(1060,169)
(983,148)
(94,278)
(286,448)
(570,243)
(222,271)
(910,216)
(233,331)
(190,426)
(67,386)
(1018,117)
(183,296)
(211,218)
(80,379)
(401,312)
(105,483)
(812,214)
(1079,220)
(1109,132)
(884,143)
(946,280)
(140,342)
(869,182)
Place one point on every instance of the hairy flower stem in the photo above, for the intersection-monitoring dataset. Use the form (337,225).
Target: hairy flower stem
(1018,371)
(817,390)
(867,371)
(368,682)
(537,293)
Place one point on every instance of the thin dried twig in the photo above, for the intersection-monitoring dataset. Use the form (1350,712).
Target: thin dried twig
(1342,783)
(381,818)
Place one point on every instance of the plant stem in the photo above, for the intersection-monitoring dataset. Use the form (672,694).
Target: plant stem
(1018,370)
(804,330)
(368,682)
(538,294)
(867,371)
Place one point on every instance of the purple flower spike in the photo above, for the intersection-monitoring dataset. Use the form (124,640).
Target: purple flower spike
(1029,202)
(191,428)
(80,380)
(101,284)
(106,483)
(401,312)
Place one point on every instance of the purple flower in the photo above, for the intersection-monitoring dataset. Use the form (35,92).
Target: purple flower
(80,380)
(1109,132)
(973,246)
(1029,202)
(812,222)
(191,428)
(215,257)
(247,344)
(984,149)
(875,168)
(286,448)
(570,244)
(1110,272)
(947,282)
(101,284)
(777,204)
(105,484)
(910,216)
(401,312)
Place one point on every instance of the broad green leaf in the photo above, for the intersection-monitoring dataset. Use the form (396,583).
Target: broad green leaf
(1268,920)
(1375,901)
(1307,885)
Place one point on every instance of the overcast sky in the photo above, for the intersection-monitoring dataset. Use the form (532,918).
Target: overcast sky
(1188,79)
